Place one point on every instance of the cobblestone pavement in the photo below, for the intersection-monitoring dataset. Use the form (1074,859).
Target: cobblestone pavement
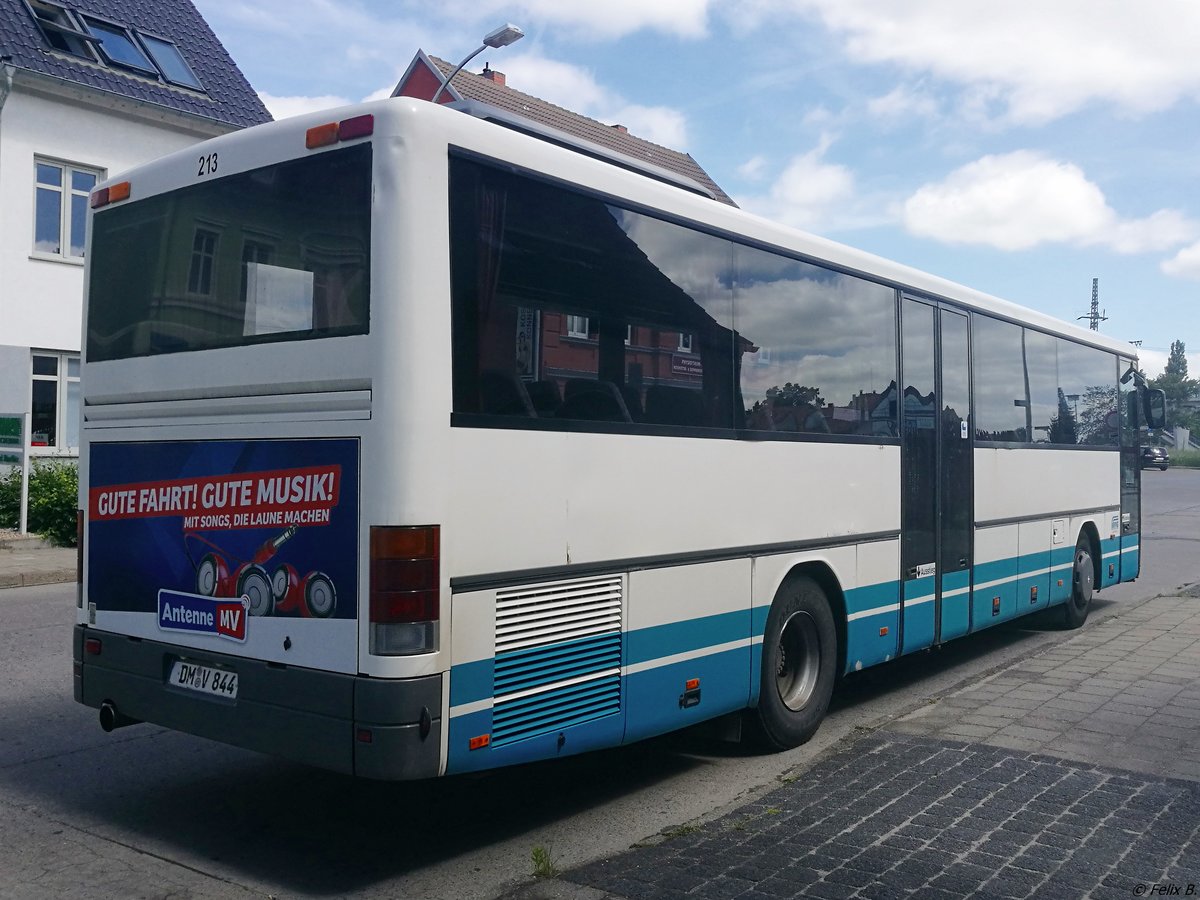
(904,816)
(1126,694)
(1075,773)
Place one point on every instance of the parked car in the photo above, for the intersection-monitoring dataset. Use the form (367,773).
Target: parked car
(1155,457)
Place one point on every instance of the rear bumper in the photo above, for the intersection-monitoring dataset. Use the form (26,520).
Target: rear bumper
(301,714)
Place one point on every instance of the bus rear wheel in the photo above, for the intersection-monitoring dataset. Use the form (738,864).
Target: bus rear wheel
(1083,582)
(799,666)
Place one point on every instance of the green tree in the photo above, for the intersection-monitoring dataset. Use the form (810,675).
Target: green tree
(1174,382)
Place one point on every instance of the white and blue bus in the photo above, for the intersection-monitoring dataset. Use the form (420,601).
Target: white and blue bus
(419,441)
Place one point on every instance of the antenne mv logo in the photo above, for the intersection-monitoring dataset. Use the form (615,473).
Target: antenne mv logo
(198,614)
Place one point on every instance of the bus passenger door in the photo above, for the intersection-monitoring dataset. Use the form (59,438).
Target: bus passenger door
(936,500)
(1130,415)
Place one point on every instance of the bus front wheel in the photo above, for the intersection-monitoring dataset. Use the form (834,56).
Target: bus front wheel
(1083,581)
(799,663)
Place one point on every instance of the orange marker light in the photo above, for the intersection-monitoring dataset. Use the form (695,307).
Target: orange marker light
(321,136)
(883,631)
(692,683)
(118,191)
(478,743)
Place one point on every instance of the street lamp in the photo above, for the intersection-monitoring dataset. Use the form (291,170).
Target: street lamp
(501,37)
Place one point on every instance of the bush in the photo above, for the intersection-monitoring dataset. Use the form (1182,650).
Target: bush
(1187,458)
(53,499)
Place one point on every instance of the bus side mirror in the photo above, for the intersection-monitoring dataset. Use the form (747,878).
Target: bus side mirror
(1155,404)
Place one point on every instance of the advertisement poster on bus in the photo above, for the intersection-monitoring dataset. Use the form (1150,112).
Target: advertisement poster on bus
(209,535)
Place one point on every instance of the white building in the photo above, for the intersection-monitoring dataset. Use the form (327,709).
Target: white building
(87,88)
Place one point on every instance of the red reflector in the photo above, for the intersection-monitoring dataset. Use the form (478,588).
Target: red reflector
(359,126)
(364,736)
(118,191)
(92,646)
(477,743)
(691,684)
(99,198)
(883,631)
(321,136)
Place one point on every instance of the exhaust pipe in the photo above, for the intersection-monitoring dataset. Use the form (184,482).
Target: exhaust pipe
(110,718)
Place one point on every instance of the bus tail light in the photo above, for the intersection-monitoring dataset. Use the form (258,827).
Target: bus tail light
(333,132)
(405,590)
(111,194)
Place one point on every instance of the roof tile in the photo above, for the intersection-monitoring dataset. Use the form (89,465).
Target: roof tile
(476,87)
(228,97)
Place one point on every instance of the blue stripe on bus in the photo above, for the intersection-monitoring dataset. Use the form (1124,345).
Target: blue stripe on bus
(732,676)
(472,681)
(865,645)
(956,610)
(1110,562)
(919,608)
(657,641)
(655,696)
(595,735)
(1131,559)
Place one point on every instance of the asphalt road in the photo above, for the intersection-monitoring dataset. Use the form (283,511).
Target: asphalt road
(144,812)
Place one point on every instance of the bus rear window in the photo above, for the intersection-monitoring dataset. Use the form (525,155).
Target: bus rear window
(278,253)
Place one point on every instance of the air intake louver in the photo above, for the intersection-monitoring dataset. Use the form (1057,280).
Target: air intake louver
(558,657)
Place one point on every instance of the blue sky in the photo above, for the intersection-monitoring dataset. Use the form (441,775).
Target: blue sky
(1021,148)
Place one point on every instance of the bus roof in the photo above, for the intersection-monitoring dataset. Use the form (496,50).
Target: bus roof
(556,155)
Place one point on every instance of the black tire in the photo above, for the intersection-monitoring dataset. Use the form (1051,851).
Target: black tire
(799,666)
(1083,584)
(1162,468)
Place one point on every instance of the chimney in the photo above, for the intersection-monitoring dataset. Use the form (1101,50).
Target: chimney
(620,128)
(492,75)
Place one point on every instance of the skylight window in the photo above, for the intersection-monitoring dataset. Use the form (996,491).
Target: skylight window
(67,30)
(170,61)
(60,29)
(118,46)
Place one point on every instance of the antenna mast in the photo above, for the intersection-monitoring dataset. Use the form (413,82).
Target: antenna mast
(1095,317)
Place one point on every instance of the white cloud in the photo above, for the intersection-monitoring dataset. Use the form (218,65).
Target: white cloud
(753,169)
(1018,200)
(1154,362)
(1185,263)
(1039,61)
(285,107)
(902,104)
(610,19)
(576,89)
(809,193)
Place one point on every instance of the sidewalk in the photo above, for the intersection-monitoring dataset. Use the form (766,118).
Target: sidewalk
(27,560)
(1075,773)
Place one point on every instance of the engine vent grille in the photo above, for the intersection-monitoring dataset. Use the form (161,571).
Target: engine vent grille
(558,657)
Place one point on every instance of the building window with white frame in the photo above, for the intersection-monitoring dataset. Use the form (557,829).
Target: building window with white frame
(577,326)
(54,402)
(685,342)
(60,208)
(204,255)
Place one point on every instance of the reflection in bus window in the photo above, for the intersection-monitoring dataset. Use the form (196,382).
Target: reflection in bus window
(831,368)
(585,311)
(208,276)
(567,308)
